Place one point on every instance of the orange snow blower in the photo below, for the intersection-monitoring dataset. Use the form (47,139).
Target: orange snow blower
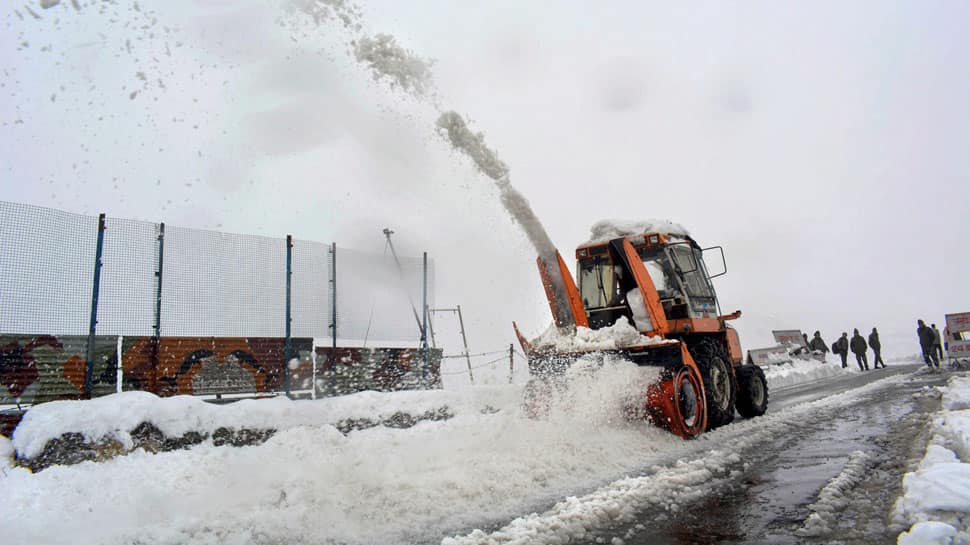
(652,274)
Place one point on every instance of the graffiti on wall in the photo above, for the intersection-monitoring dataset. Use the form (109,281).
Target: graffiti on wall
(213,365)
(38,368)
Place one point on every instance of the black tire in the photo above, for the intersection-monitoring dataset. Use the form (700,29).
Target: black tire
(720,385)
(752,391)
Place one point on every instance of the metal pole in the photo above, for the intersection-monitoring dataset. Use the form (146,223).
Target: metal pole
(288,344)
(464,339)
(400,271)
(333,290)
(157,339)
(93,324)
(511,362)
(333,317)
(424,317)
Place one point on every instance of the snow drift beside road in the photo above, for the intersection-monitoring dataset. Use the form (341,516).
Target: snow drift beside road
(936,497)
(310,483)
(800,371)
(116,415)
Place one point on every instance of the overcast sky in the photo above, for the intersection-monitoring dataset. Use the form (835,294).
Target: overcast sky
(824,145)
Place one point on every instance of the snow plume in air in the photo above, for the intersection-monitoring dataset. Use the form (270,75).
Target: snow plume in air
(454,128)
(472,144)
(323,10)
(387,59)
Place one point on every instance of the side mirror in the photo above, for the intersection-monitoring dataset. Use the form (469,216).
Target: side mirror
(720,250)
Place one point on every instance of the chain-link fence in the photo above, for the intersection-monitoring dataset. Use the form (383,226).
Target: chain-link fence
(93,305)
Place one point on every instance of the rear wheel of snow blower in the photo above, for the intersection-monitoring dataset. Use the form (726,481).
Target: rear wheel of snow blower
(752,391)
(719,382)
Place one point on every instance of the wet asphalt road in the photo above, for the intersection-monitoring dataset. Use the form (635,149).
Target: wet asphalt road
(770,501)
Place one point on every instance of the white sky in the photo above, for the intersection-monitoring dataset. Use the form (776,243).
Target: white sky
(824,144)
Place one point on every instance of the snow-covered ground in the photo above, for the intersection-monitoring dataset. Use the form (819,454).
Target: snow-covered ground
(309,483)
(936,499)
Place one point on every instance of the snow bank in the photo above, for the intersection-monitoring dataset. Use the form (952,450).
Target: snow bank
(115,416)
(799,371)
(936,497)
(607,230)
(310,483)
(619,335)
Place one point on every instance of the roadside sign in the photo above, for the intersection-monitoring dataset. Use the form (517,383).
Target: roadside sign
(775,355)
(789,336)
(957,335)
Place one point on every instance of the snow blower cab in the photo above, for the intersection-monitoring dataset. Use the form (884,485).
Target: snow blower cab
(651,277)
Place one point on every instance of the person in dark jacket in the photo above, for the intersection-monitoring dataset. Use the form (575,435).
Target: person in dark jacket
(927,340)
(876,349)
(817,344)
(841,347)
(938,343)
(859,348)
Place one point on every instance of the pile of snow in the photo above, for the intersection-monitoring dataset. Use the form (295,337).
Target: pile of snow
(114,416)
(800,371)
(607,230)
(936,497)
(310,483)
(619,335)
(397,486)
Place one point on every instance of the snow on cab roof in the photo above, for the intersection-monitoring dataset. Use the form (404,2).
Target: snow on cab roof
(607,230)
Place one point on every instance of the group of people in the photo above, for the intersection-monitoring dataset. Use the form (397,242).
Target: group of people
(931,343)
(857,344)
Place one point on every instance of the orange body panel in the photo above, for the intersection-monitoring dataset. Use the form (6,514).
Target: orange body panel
(694,325)
(648,290)
(734,345)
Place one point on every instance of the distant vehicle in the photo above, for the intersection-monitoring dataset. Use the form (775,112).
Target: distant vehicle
(660,283)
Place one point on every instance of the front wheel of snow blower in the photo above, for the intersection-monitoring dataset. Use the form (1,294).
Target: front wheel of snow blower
(752,391)
(677,403)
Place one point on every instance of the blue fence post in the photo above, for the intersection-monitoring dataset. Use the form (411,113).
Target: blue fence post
(157,339)
(288,346)
(93,324)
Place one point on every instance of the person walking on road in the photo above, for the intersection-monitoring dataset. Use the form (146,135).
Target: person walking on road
(938,343)
(841,347)
(859,348)
(817,344)
(876,349)
(926,342)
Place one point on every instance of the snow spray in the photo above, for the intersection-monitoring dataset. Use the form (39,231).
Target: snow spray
(402,69)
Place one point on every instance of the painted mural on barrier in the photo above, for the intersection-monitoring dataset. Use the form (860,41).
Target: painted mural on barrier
(213,365)
(39,368)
